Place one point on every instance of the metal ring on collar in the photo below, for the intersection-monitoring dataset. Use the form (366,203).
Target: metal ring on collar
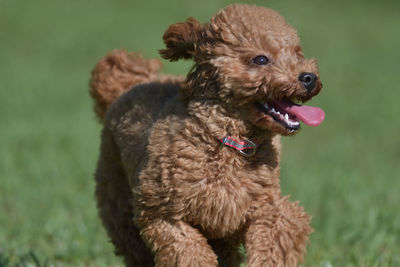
(252,151)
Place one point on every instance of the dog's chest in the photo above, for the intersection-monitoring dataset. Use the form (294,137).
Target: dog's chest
(195,180)
(219,196)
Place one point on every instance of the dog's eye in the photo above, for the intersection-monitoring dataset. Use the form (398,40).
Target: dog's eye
(261,60)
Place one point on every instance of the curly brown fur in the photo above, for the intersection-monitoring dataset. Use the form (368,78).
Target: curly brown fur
(118,72)
(167,193)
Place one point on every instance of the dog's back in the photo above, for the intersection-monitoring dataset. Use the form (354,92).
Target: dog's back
(129,94)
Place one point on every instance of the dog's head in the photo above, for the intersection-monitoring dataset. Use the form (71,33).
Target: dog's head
(250,58)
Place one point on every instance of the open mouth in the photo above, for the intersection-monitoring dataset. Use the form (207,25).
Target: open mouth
(290,114)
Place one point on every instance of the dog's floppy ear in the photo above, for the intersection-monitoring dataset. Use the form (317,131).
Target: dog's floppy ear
(181,39)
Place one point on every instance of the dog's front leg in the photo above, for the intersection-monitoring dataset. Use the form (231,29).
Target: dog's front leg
(178,244)
(277,235)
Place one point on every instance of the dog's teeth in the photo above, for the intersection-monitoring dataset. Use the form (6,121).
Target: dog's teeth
(273,110)
(293,123)
(266,106)
(286,117)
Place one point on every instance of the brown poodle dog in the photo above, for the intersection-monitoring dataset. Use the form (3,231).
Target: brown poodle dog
(189,167)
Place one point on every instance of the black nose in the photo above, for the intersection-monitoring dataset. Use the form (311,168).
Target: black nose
(309,80)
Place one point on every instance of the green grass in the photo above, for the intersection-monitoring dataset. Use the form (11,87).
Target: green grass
(346,172)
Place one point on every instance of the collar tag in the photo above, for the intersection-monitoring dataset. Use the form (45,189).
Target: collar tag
(241,147)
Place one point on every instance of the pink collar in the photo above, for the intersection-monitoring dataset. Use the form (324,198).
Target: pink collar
(240,146)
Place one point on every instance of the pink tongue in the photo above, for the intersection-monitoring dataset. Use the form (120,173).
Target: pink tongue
(311,116)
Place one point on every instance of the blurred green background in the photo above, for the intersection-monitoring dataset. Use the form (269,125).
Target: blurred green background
(345,172)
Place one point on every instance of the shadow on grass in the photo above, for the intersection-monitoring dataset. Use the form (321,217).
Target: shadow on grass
(29,259)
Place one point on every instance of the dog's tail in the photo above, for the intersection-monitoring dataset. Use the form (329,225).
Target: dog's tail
(116,73)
